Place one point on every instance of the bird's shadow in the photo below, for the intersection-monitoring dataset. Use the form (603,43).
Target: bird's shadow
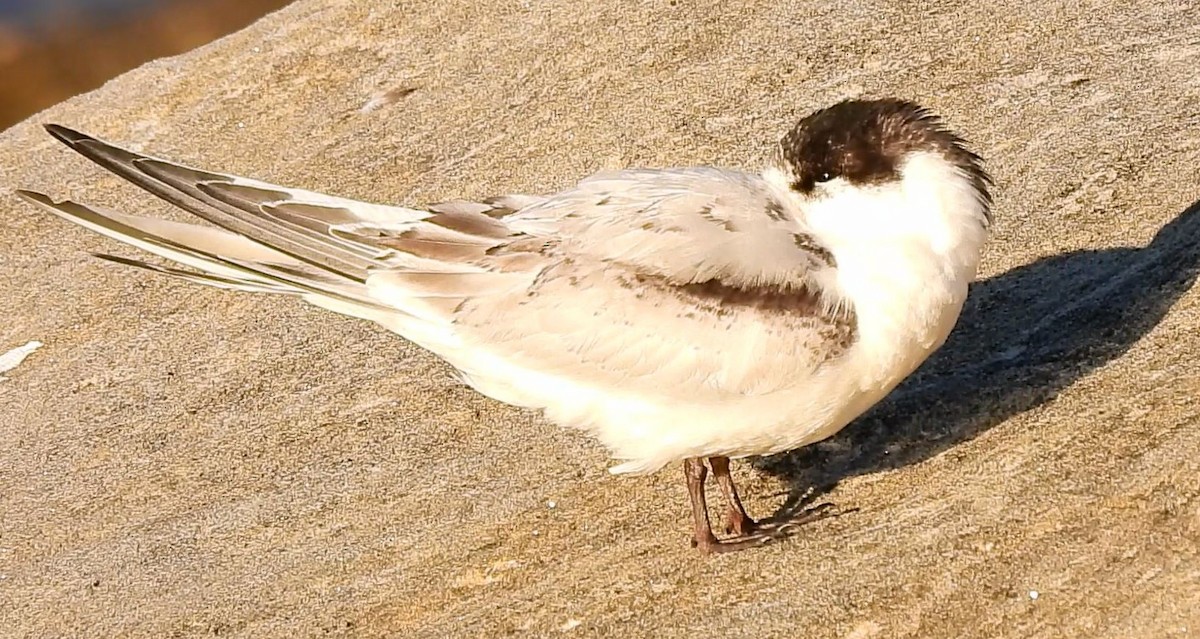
(1023,336)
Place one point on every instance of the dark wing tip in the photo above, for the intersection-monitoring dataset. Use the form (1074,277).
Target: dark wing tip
(70,137)
(33,196)
(118,259)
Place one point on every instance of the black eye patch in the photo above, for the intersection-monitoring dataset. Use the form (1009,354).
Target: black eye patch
(809,181)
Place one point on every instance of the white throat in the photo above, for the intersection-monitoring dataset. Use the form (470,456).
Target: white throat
(905,252)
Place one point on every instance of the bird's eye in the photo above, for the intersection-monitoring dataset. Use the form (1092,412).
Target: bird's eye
(809,181)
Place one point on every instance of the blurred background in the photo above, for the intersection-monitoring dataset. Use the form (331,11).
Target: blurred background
(53,49)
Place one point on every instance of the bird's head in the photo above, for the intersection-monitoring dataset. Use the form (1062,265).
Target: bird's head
(885,170)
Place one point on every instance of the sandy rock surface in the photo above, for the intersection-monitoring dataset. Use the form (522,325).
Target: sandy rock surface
(177,461)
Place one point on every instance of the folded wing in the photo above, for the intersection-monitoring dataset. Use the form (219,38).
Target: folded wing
(635,283)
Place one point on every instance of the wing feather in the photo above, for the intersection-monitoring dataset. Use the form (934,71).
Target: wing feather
(682,283)
(208,279)
(177,243)
(688,225)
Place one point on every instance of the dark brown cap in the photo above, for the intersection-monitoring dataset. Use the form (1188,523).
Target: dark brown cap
(866,142)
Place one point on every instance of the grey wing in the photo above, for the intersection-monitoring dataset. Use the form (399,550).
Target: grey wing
(628,275)
(671,282)
(689,225)
(285,240)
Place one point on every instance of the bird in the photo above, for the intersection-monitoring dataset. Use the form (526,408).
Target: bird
(678,315)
